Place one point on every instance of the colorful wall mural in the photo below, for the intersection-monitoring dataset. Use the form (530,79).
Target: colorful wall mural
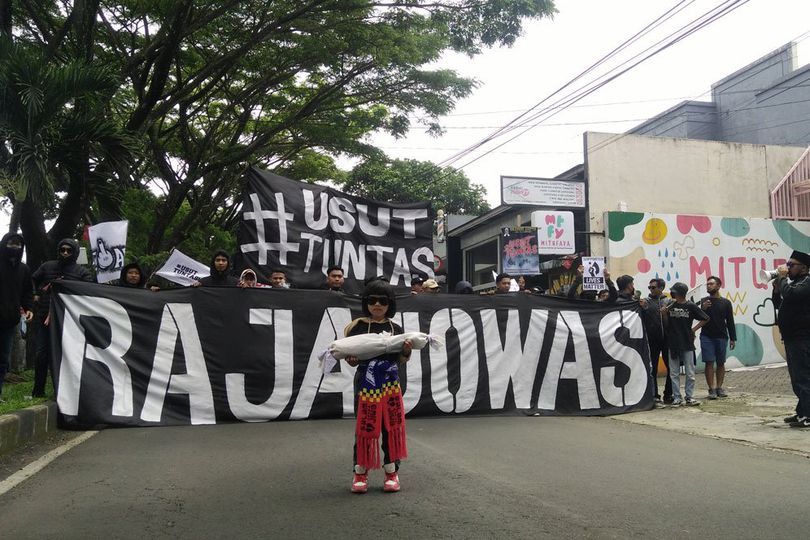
(687,248)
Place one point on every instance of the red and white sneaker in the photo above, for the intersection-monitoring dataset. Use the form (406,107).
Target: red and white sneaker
(360,483)
(391,482)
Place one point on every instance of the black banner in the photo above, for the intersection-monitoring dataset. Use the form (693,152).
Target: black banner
(207,355)
(305,228)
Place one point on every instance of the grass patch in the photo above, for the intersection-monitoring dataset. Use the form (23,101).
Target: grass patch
(17,387)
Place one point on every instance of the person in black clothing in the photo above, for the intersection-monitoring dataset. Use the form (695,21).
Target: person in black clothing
(16,296)
(220,272)
(678,317)
(605,295)
(791,295)
(64,267)
(379,305)
(656,335)
(335,278)
(132,276)
(627,290)
(718,334)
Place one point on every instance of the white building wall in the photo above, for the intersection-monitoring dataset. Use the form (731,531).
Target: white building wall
(674,176)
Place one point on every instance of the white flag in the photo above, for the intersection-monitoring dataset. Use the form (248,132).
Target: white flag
(108,244)
(182,269)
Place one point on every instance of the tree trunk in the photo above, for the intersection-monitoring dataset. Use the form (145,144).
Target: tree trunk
(32,224)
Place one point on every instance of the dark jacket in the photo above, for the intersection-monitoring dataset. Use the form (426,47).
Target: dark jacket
(220,279)
(793,301)
(62,268)
(122,280)
(16,289)
(653,320)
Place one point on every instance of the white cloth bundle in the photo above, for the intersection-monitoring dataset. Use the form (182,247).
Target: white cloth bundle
(366,346)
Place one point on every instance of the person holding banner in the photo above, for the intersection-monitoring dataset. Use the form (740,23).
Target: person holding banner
(791,295)
(335,279)
(132,276)
(577,290)
(377,395)
(220,272)
(64,267)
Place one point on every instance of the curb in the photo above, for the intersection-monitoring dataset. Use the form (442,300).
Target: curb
(26,425)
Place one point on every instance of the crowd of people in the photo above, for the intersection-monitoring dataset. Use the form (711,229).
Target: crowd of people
(671,321)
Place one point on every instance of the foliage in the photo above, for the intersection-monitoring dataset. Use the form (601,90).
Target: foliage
(410,180)
(210,87)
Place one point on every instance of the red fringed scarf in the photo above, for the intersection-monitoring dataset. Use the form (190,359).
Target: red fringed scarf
(380,405)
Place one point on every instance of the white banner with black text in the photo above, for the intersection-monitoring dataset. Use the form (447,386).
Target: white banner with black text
(130,357)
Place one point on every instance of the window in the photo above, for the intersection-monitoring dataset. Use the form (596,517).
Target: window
(481,261)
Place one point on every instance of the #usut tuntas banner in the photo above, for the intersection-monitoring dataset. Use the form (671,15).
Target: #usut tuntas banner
(130,357)
(305,228)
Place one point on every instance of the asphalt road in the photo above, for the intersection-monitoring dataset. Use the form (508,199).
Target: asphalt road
(472,477)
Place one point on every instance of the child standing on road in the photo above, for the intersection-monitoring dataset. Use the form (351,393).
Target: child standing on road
(377,394)
(678,317)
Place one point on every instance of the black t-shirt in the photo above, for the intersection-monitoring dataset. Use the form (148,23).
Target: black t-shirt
(721,319)
(679,330)
(365,325)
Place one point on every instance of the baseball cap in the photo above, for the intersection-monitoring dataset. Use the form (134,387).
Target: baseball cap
(430,284)
(679,288)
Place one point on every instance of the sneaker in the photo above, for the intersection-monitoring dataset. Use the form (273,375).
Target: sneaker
(391,482)
(668,400)
(721,393)
(360,483)
(691,402)
(801,422)
(657,399)
(712,393)
(676,403)
(791,419)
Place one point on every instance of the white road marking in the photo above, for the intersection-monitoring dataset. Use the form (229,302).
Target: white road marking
(33,468)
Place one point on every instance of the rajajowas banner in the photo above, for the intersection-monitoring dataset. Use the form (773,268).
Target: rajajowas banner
(305,228)
(108,245)
(128,357)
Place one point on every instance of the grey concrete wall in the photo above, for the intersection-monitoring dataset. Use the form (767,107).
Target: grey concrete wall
(676,176)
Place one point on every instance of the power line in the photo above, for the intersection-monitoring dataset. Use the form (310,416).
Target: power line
(685,31)
(510,125)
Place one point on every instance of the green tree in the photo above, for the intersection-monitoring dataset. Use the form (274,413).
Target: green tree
(210,87)
(57,136)
(410,180)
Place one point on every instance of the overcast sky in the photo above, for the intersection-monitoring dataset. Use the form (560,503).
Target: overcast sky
(553,51)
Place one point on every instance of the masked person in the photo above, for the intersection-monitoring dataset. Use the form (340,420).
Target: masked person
(16,296)
(64,267)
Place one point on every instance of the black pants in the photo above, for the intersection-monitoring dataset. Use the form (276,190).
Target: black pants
(42,362)
(660,348)
(798,362)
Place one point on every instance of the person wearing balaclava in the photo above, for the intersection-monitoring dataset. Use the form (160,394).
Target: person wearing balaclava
(220,272)
(16,297)
(64,267)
